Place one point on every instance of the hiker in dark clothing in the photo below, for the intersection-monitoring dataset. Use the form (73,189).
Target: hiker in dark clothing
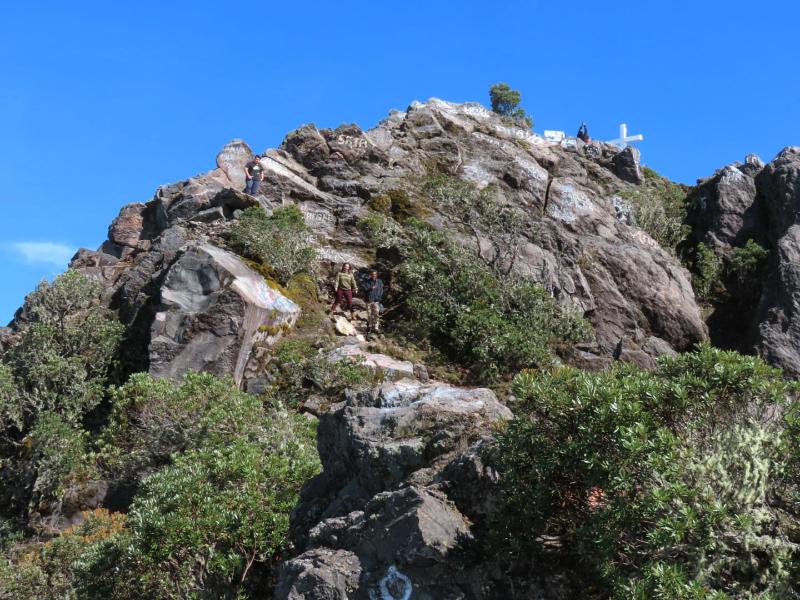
(254,175)
(374,289)
(345,286)
(583,133)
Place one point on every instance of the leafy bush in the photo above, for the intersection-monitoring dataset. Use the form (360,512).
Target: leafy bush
(152,419)
(381,231)
(483,214)
(70,566)
(11,411)
(744,264)
(50,381)
(658,207)
(298,369)
(505,102)
(63,359)
(58,456)
(706,273)
(491,324)
(198,527)
(279,240)
(661,484)
(208,524)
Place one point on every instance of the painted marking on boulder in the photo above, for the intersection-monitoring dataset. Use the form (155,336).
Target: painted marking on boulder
(394,583)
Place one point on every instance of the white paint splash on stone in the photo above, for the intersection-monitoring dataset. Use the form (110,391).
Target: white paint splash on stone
(399,582)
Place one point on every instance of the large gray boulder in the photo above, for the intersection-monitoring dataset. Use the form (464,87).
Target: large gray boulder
(380,513)
(232,159)
(627,165)
(213,308)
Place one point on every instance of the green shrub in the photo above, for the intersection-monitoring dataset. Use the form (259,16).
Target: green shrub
(381,203)
(483,214)
(491,324)
(744,264)
(209,520)
(298,369)
(505,102)
(661,484)
(279,240)
(152,419)
(380,230)
(706,273)
(658,207)
(63,358)
(44,473)
(198,528)
(59,457)
(71,566)
(11,411)
(404,208)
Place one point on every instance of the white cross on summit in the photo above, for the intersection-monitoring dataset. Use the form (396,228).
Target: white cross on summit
(624,138)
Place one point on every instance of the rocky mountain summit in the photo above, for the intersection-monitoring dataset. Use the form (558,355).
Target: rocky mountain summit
(407,485)
(577,240)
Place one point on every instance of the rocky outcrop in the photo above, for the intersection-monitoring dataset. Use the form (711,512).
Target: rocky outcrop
(778,314)
(213,308)
(723,211)
(388,367)
(627,165)
(578,244)
(751,201)
(401,487)
(232,159)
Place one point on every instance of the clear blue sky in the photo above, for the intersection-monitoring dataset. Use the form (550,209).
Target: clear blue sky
(101,102)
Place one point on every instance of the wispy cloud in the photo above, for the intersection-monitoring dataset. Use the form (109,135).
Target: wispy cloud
(50,253)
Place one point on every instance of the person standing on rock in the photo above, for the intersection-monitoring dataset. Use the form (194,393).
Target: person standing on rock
(345,286)
(583,133)
(254,175)
(374,289)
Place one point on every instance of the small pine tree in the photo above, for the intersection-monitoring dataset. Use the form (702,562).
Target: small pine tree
(505,102)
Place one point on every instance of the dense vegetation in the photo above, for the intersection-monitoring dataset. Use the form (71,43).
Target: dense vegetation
(658,206)
(464,301)
(210,473)
(678,483)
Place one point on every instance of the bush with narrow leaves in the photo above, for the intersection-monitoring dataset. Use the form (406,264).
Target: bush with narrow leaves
(280,241)
(667,484)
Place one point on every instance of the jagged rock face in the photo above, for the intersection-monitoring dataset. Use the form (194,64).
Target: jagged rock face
(402,482)
(576,246)
(778,315)
(214,308)
(723,210)
(627,165)
(749,201)
(629,288)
